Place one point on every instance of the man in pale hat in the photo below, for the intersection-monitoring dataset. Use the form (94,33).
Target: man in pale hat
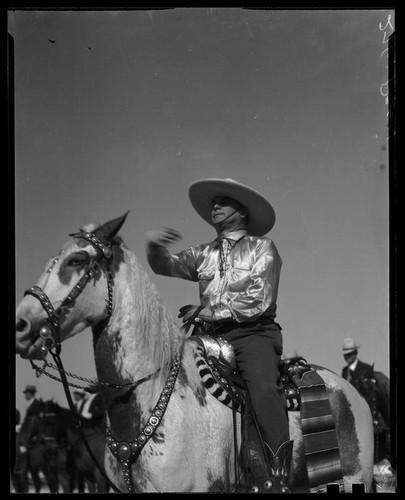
(362,376)
(238,275)
(355,369)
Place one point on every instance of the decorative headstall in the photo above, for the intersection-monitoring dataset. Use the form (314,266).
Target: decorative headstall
(50,331)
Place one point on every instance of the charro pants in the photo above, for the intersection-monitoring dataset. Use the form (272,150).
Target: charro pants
(258,348)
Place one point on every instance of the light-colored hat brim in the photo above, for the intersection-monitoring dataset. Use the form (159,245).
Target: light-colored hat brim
(261,214)
(349,350)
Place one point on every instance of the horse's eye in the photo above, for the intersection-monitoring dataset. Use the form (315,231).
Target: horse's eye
(78,259)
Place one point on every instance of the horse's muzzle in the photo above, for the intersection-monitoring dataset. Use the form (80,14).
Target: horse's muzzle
(28,344)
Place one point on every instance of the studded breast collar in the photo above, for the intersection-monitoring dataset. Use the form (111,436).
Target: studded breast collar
(127,452)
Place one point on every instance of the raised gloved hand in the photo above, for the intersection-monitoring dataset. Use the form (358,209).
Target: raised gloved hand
(163,237)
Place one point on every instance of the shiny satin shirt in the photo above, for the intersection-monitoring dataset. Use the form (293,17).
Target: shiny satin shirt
(241,286)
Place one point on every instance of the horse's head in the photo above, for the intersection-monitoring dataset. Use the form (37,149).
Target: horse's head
(73,293)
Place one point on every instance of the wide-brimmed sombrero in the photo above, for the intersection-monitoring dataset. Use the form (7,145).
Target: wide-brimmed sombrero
(261,213)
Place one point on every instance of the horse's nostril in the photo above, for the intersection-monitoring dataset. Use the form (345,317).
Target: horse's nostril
(22,325)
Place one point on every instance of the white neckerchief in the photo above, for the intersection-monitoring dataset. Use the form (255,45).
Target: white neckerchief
(86,406)
(79,403)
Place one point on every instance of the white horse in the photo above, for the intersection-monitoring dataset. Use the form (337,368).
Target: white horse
(184,433)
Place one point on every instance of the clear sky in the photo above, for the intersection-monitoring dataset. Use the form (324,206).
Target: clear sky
(122,110)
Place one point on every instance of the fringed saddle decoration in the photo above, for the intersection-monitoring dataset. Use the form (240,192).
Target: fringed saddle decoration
(215,360)
(318,426)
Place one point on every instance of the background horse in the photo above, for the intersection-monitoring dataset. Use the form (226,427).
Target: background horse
(19,462)
(52,432)
(93,430)
(41,455)
(166,432)
(70,456)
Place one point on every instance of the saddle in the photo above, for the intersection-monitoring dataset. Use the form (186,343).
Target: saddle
(222,378)
(215,359)
(220,358)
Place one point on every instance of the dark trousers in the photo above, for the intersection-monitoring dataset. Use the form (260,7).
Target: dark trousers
(258,348)
(20,473)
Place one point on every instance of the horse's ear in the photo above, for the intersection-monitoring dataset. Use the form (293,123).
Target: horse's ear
(108,230)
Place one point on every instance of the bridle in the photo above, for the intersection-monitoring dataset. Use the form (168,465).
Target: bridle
(51,330)
(50,333)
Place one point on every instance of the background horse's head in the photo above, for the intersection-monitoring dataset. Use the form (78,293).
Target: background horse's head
(78,276)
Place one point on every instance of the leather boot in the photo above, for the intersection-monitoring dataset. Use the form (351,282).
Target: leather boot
(280,464)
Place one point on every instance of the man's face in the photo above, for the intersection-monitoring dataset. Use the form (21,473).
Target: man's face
(28,395)
(224,209)
(350,357)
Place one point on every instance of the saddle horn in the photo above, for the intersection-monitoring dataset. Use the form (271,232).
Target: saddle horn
(108,230)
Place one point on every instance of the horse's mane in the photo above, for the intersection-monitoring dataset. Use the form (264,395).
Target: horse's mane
(160,332)
(142,307)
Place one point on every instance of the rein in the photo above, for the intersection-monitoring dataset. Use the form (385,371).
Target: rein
(78,424)
(40,371)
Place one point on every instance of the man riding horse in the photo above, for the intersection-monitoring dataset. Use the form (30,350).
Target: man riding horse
(238,274)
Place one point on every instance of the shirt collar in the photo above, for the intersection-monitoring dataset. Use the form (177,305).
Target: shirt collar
(233,236)
(353,365)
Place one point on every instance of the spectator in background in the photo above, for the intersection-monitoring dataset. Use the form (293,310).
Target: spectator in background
(19,472)
(34,408)
(355,370)
(28,434)
(374,387)
(34,404)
